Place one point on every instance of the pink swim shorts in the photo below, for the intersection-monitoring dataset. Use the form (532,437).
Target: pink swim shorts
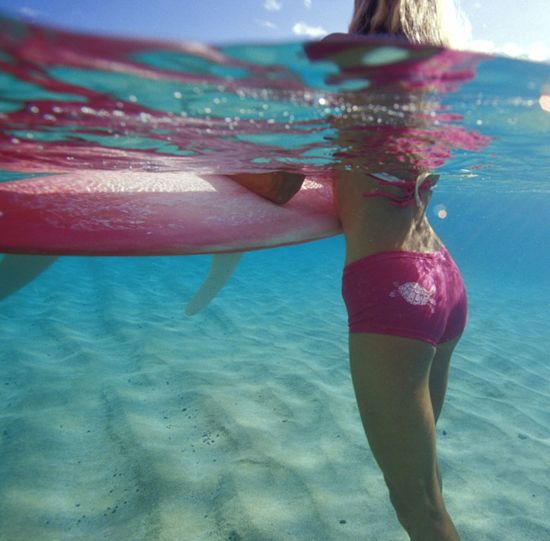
(409,294)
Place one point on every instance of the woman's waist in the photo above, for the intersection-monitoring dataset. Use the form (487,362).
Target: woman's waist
(369,237)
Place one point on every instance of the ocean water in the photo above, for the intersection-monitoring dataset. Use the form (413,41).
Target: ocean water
(123,419)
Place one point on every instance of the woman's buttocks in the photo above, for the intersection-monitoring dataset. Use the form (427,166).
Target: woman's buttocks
(372,224)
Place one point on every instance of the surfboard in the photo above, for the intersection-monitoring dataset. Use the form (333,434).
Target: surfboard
(127,213)
(124,213)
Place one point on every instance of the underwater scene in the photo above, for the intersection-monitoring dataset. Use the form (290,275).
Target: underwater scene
(124,418)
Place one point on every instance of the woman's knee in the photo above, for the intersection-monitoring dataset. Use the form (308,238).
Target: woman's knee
(417,500)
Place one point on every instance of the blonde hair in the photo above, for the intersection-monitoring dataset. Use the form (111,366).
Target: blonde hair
(433,22)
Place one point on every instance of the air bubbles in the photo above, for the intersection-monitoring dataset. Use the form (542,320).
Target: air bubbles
(467,173)
(440,211)
(34,109)
(132,98)
(178,95)
(544,102)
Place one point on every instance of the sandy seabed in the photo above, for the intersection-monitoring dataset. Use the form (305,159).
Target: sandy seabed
(122,419)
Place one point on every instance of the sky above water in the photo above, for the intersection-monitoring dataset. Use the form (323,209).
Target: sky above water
(516,27)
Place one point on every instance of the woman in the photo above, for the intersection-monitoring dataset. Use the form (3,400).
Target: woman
(406,302)
(404,295)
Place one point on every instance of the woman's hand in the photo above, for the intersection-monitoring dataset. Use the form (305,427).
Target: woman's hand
(277,186)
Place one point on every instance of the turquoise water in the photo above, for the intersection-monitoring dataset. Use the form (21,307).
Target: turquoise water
(123,419)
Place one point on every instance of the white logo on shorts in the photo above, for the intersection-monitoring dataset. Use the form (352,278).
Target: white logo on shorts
(414,293)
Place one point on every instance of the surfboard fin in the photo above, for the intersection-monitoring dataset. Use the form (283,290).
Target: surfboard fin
(221,269)
(16,271)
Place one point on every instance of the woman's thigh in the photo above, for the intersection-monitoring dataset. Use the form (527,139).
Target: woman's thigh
(391,380)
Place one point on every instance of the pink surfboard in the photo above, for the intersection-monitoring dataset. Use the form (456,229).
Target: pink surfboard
(127,213)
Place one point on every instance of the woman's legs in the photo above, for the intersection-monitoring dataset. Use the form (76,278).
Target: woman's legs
(391,376)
